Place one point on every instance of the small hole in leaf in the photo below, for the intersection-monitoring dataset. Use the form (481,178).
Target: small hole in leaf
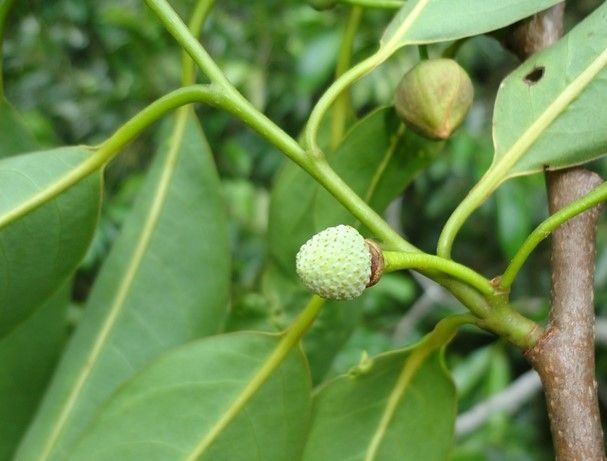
(534,76)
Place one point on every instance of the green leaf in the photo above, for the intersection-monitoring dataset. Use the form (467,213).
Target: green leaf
(189,405)
(552,112)
(40,250)
(399,406)
(164,283)
(28,356)
(429,21)
(15,138)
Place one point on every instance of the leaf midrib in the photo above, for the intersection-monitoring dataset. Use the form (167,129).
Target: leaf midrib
(412,364)
(123,290)
(505,163)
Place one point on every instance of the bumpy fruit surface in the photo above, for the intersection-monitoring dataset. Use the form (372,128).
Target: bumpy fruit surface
(335,263)
(434,97)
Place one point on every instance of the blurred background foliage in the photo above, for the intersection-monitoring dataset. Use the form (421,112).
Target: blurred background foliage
(77,69)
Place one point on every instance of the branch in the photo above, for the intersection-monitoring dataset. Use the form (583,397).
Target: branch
(564,355)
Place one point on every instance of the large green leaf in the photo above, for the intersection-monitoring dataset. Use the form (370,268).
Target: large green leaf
(41,249)
(206,401)
(28,355)
(164,283)
(552,111)
(398,407)
(429,21)
(15,138)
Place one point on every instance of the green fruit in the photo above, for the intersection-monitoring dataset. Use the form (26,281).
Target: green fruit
(335,263)
(322,4)
(434,97)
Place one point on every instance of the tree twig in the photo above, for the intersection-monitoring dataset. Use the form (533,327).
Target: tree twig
(564,356)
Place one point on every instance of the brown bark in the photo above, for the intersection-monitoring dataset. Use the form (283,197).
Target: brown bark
(564,355)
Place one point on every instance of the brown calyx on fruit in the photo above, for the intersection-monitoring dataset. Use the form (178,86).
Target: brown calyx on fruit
(377,262)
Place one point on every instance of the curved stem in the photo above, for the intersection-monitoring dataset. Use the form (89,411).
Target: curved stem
(383,4)
(342,105)
(233,102)
(329,97)
(5,7)
(199,16)
(396,260)
(542,231)
(173,23)
(106,151)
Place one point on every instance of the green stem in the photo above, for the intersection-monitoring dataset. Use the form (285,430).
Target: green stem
(342,105)
(329,97)
(444,331)
(383,4)
(199,16)
(423,52)
(5,6)
(542,231)
(332,182)
(238,104)
(235,103)
(106,151)
(173,23)
(394,261)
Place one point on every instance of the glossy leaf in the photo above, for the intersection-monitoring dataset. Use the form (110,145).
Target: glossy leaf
(386,410)
(186,407)
(552,111)
(40,250)
(28,356)
(164,283)
(15,138)
(429,21)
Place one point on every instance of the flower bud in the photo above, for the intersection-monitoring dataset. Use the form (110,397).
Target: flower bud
(434,97)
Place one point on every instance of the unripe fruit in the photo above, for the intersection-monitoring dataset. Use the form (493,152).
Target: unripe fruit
(336,263)
(322,4)
(434,97)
